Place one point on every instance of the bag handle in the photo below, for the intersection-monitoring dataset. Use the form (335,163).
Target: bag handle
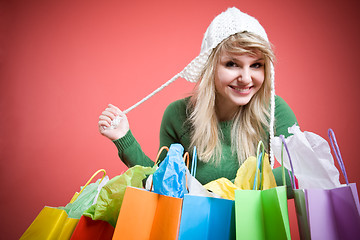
(186,158)
(337,154)
(194,163)
(88,182)
(157,160)
(159,153)
(292,176)
(259,160)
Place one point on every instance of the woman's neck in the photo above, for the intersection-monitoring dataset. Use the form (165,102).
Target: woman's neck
(224,113)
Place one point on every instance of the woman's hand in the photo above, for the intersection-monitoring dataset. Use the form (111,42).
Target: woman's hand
(113,132)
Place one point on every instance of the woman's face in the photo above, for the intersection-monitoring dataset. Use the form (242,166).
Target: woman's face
(237,78)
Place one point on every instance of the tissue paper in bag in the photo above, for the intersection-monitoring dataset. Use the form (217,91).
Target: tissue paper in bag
(311,157)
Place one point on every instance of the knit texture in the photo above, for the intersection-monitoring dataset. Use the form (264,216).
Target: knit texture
(227,23)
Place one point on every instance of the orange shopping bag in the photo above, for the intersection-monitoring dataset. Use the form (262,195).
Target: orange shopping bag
(146,215)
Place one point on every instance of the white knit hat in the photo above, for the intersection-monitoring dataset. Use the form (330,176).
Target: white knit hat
(227,23)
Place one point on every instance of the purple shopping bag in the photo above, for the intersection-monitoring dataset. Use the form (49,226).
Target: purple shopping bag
(334,213)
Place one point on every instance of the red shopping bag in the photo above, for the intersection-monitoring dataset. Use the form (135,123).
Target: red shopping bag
(88,229)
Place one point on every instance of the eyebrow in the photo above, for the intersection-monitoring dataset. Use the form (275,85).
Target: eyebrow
(260,59)
(227,57)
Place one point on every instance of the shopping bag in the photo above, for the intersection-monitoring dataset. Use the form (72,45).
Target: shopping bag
(244,179)
(195,188)
(146,215)
(334,213)
(111,196)
(54,223)
(51,224)
(312,159)
(86,197)
(299,198)
(205,217)
(262,214)
(88,229)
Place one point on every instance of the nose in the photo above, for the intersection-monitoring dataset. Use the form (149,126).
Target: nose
(244,76)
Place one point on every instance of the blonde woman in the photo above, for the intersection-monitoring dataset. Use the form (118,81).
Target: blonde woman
(232,107)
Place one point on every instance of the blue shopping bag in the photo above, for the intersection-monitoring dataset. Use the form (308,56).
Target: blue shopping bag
(207,218)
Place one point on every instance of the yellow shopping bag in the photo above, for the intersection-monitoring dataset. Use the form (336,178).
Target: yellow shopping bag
(54,223)
(51,223)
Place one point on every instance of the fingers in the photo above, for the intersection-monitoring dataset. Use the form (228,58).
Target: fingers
(104,121)
(103,125)
(110,112)
(115,108)
(113,123)
(108,115)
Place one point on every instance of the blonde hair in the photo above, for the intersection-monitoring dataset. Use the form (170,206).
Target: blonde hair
(251,120)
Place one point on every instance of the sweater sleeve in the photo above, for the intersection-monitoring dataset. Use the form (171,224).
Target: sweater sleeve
(171,129)
(130,151)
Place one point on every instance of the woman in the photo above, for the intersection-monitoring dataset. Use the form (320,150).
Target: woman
(232,106)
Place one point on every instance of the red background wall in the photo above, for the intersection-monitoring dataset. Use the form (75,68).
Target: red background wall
(62,62)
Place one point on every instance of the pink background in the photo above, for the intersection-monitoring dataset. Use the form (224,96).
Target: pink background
(62,62)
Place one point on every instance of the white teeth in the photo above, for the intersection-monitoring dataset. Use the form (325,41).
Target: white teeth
(241,89)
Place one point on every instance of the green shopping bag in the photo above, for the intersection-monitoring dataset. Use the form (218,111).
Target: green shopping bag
(262,214)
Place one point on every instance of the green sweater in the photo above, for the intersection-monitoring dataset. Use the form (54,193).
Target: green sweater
(175,129)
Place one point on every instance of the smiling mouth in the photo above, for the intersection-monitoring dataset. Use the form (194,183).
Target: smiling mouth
(241,90)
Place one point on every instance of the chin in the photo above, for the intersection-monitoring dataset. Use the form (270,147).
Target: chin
(242,102)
